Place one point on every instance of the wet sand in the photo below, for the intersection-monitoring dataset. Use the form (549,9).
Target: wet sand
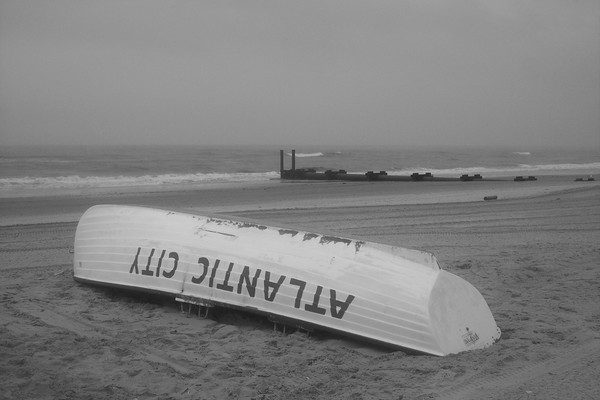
(534,254)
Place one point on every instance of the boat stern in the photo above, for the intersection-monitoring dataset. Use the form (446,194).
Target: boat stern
(460,317)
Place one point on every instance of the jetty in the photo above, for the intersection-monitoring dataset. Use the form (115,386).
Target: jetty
(342,175)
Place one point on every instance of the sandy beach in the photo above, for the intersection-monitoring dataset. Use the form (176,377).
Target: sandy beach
(533,253)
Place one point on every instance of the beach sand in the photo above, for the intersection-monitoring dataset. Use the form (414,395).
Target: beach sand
(534,254)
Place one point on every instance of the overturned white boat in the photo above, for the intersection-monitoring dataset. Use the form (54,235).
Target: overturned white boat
(391,295)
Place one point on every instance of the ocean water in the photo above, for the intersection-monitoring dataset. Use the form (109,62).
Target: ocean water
(38,170)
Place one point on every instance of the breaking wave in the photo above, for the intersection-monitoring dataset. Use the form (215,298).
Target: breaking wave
(79,182)
(305,155)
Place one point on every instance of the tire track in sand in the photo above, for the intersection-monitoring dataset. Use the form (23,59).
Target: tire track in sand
(494,387)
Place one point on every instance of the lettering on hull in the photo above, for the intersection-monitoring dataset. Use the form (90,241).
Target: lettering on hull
(470,338)
(216,273)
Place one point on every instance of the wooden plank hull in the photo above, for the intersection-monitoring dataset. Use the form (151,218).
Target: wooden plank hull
(387,294)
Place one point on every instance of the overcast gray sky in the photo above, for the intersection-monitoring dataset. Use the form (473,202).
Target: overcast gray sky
(403,72)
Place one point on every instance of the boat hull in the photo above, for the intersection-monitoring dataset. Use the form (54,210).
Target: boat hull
(387,294)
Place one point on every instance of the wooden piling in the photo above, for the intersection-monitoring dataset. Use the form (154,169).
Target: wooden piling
(293,161)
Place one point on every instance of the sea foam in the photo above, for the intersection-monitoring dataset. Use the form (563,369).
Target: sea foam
(78,182)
